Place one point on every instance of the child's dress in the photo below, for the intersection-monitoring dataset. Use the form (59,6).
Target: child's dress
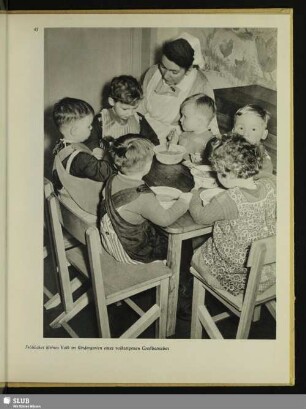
(221,259)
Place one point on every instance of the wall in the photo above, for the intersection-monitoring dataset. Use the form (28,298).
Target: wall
(233,57)
(79,62)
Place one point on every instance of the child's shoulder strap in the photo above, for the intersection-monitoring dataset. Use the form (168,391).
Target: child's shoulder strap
(65,152)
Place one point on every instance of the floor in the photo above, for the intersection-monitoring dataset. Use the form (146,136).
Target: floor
(121,316)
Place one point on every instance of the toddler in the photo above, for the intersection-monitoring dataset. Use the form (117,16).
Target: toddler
(197,113)
(130,211)
(245,212)
(121,118)
(251,122)
(76,172)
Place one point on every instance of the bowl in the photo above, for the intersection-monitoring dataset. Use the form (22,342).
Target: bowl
(166,195)
(170,156)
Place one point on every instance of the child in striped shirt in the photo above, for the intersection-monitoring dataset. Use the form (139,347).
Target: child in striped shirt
(121,118)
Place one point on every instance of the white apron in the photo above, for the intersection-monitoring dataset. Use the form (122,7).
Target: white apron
(163,104)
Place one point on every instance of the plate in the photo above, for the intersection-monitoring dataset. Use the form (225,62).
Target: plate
(166,195)
(207,195)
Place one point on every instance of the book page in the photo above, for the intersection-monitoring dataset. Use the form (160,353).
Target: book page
(31,64)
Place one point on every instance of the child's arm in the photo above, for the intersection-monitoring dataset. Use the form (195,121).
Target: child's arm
(85,165)
(219,208)
(95,136)
(150,209)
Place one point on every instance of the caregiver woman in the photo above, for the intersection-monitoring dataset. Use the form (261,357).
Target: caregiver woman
(169,83)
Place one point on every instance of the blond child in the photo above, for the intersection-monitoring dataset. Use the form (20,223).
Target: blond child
(121,118)
(197,112)
(76,172)
(251,122)
(245,212)
(130,211)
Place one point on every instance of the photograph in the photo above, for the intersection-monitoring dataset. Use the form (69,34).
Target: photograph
(163,142)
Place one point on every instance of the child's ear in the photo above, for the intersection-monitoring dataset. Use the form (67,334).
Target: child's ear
(73,130)
(265,134)
(111,101)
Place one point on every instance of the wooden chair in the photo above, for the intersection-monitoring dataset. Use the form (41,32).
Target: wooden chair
(48,251)
(246,306)
(111,281)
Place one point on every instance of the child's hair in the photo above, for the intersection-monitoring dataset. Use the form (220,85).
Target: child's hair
(68,110)
(180,52)
(203,103)
(256,110)
(235,154)
(131,152)
(125,89)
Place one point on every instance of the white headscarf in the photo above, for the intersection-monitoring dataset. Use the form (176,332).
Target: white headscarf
(194,42)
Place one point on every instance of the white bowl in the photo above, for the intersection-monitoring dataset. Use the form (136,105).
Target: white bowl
(170,156)
(166,195)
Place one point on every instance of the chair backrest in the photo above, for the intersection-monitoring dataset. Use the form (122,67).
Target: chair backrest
(68,218)
(266,247)
(262,252)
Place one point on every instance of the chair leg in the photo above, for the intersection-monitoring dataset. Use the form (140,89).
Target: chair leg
(198,298)
(271,305)
(256,315)
(245,320)
(162,292)
(208,323)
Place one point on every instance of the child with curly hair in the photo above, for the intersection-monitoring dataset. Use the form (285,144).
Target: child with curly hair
(245,212)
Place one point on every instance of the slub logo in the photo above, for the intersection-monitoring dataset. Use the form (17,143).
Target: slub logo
(6,400)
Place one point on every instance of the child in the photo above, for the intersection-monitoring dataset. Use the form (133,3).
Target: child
(197,113)
(76,171)
(244,213)
(121,118)
(251,122)
(131,210)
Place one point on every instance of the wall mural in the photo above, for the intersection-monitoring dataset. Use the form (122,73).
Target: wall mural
(240,56)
